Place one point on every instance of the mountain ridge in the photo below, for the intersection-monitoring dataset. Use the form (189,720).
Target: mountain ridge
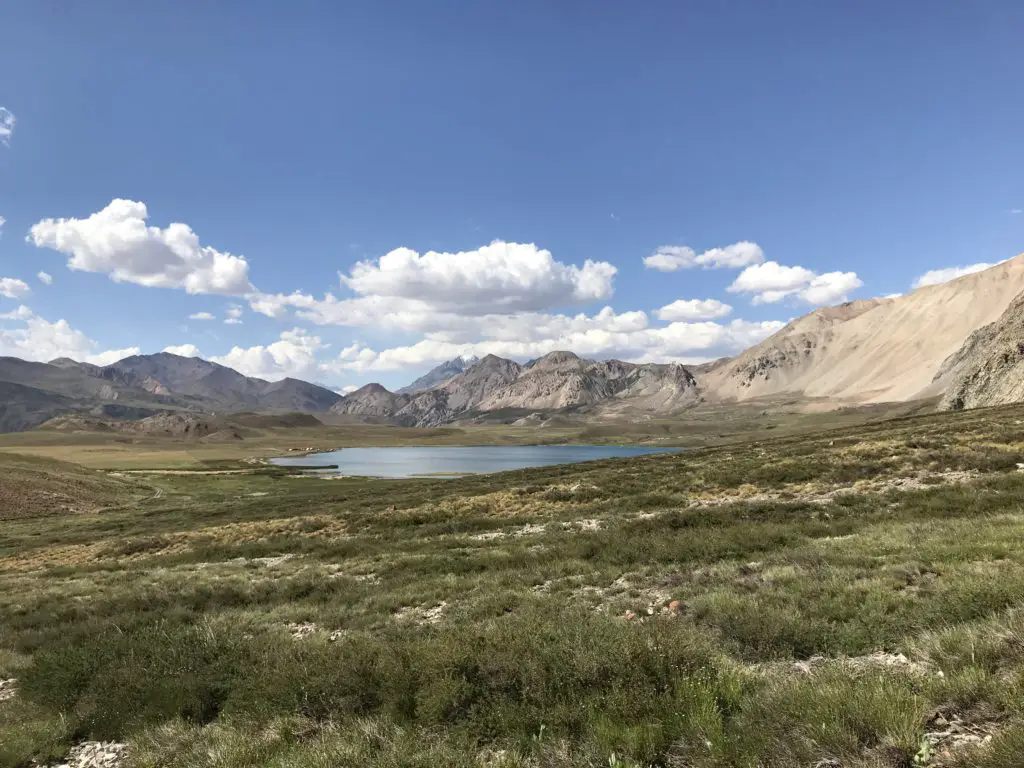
(557,381)
(438,375)
(961,342)
(143,385)
(872,350)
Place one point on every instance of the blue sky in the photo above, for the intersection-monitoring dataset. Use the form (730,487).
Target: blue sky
(365,189)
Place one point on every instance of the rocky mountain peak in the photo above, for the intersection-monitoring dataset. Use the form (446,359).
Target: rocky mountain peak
(439,374)
(560,360)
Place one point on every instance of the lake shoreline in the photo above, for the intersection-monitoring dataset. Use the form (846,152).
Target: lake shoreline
(449,462)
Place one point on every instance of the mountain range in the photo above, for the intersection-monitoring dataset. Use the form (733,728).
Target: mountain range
(559,381)
(142,386)
(960,342)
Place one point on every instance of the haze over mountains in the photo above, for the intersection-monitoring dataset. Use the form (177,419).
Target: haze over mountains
(961,342)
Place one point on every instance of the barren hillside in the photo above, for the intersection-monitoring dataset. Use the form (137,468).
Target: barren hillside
(872,351)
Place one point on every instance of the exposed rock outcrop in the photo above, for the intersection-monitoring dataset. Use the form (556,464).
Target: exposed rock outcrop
(989,368)
(557,381)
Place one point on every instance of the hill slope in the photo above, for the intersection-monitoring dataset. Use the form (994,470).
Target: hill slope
(871,351)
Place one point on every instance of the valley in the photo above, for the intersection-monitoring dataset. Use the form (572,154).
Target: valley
(813,594)
(523,385)
(821,570)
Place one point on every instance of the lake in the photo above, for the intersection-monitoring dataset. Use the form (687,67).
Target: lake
(452,461)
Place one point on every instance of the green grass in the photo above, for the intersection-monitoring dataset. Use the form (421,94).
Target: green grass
(524,619)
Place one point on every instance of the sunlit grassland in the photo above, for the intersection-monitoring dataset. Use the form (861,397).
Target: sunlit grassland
(832,596)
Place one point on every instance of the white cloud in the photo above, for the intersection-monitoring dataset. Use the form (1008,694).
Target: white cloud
(1017,211)
(669,258)
(830,288)
(13,288)
(693,309)
(201,316)
(772,282)
(276,305)
(183,350)
(21,313)
(664,344)
(7,122)
(497,299)
(117,242)
(294,354)
(770,276)
(2,222)
(936,276)
(110,357)
(500,277)
(234,315)
(45,278)
(347,389)
(414,316)
(35,338)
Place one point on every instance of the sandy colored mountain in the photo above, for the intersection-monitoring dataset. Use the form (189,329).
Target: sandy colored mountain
(871,351)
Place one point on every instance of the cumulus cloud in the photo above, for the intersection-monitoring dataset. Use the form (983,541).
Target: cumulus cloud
(110,356)
(772,282)
(234,315)
(693,309)
(436,291)
(34,338)
(21,313)
(830,288)
(183,350)
(523,335)
(700,340)
(294,355)
(2,222)
(936,276)
(277,305)
(116,241)
(502,299)
(13,288)
(669,258)
(45,278)
(771,276)
(7,121)
(201,316)
(497,277)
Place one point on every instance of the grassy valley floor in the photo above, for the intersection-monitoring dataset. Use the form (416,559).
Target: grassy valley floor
(846,598)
